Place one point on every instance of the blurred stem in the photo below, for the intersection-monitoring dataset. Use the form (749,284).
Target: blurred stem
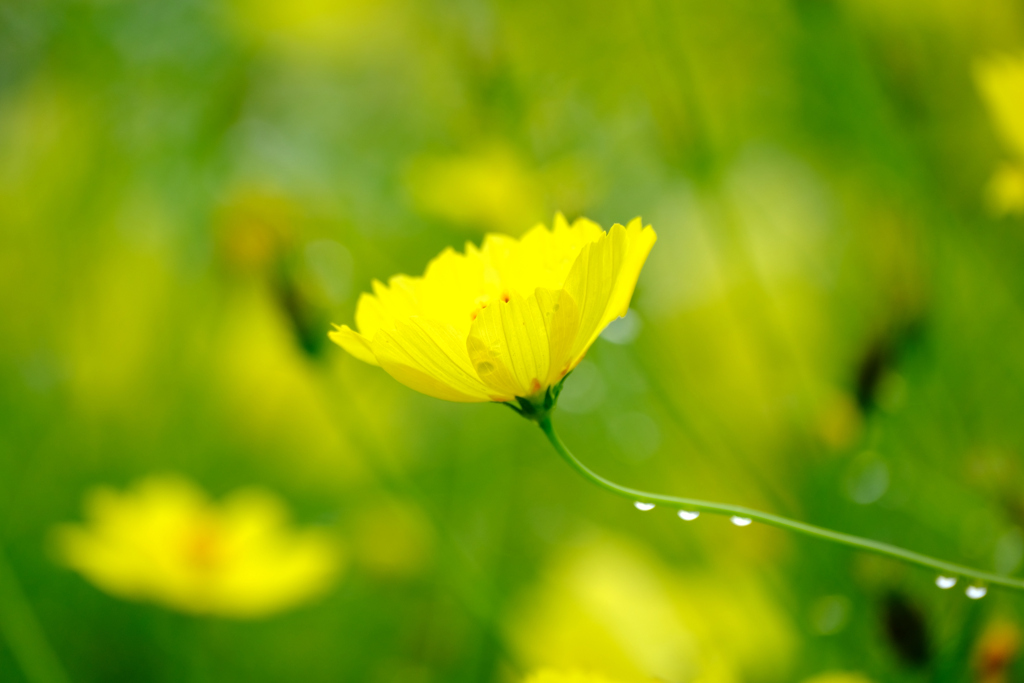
(23,633)
(940,566)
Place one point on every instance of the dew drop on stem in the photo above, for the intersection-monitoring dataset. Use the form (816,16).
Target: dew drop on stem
(976,592)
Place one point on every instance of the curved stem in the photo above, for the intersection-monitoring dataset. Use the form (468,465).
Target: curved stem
(940,566)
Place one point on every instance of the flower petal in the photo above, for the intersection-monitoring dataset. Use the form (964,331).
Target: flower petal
(430,358)
(513,341)
(561,320)
(603,278)
(1001,82)
(370,317)
(353,342)
(639,241)
(591,282)
(508,345)
(505,320)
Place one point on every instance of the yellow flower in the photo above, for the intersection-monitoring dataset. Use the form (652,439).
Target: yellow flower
(491,188)
(1001,82)
(553,676)
(839,677)
(165,542)
(1006,190)
(606,604)
(509,319)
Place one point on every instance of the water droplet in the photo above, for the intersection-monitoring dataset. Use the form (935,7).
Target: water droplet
(945,582)
(643,507)
(976,592)
(688,515)
(741,521)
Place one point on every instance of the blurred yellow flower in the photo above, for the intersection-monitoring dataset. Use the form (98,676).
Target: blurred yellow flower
(839,677)
(391,538)
(996,651)
(507,320)
(165,542)
(555,676)
(318,30)
(608,605)
(1006,190)
(1001,82)
(491,188)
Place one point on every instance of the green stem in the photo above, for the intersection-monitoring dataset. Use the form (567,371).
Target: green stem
(24,635)
(941,566)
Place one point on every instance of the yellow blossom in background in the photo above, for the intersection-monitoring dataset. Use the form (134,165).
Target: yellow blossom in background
(839,677)
(554,676)
(318,30)
(392,538)
(164,541)
(1000,80)
(608,605)
(996,651)
(1006,190)
(491,188)
(506,320)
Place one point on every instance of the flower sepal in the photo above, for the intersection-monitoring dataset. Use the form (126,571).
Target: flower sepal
(540,405)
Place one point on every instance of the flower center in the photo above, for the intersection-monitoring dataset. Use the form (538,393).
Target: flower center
(202,547)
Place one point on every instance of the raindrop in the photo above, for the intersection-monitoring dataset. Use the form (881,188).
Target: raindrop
(643,507)
(688,516)
(741,521)
(945,582)
(976,592)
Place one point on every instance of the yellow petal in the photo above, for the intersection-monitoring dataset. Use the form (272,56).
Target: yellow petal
(398,300)
(508,346)
(370,315)
(591,282)
(603,278)
(639,241)
(1001,82)
(507,319)
(1006,190)
(542,258)
(431,358)
(353,342)
(561,321)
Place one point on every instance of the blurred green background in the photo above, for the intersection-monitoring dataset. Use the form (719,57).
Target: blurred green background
(830,327)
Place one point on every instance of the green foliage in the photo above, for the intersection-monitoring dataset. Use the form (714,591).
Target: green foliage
(828,328)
